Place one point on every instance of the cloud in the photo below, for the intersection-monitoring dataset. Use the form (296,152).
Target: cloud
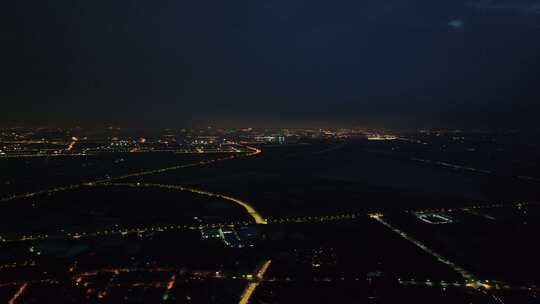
(456,24)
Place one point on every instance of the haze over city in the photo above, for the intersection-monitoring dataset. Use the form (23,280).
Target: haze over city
(398,62)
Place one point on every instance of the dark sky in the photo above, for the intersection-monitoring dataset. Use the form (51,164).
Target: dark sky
(249,62)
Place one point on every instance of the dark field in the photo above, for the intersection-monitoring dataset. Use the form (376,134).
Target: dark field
(92,208)
(28,174)
(498,244)
(345,260)
(348,251)
(308,179)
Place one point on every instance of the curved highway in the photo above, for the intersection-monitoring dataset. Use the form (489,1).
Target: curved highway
(253,151)
(257,217)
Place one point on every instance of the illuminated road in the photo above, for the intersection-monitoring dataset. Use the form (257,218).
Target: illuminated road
(170,228)
(107,278)
(252,212)
(257,217)
(471,280)
(71,145)
(124,231)
(250,289)
(18,294)
(451,166)
(170,286)
(248,292)
(253,152)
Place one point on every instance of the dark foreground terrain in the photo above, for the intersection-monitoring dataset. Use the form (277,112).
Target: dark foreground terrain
(345,221)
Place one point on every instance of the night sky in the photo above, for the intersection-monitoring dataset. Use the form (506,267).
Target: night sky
(165,63)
